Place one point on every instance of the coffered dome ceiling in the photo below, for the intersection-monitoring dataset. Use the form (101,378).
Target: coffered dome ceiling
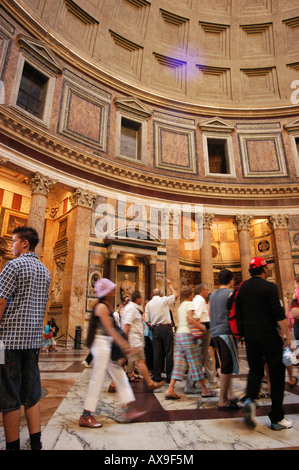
(226,53)
(165,98)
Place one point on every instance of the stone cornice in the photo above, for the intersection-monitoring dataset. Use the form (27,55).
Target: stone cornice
(39,140)
(70,54)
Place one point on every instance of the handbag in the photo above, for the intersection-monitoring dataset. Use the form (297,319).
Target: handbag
(116,351)
(195,331)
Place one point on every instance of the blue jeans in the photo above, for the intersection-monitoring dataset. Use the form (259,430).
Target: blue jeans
(19,379)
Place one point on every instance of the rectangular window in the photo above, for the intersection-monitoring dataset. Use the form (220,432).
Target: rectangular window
(217,153)
(130,141)
(32,91)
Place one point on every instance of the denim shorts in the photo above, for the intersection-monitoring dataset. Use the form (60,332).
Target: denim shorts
(19,379)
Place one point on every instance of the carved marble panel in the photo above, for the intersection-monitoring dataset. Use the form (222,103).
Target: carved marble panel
(84,114)
(262,155)
(175,148)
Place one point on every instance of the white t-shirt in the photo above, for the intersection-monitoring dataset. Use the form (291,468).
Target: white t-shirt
(133,317)
(183,309)
(201,308)
(157,310)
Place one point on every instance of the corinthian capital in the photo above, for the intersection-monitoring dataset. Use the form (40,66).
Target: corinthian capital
(82,198)
(40,184)
(279,221)
(207,220)
(242,222)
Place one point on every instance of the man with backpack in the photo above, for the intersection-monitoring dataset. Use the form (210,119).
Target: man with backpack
(223,339)
(260,315)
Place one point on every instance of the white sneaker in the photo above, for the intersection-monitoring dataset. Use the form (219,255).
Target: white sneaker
(283,424)
(249,413)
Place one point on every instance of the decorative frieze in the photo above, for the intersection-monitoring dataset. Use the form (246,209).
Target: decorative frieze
(70,155)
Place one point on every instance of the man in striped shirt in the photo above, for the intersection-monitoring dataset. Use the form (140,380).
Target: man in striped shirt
(24,292)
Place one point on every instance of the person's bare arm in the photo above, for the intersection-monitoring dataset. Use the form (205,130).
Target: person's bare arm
(295,312)
(283,325)
(195,321)
(126,329)
(103,312)
(172,290)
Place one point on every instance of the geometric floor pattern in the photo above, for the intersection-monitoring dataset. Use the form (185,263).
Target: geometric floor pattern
(174,427)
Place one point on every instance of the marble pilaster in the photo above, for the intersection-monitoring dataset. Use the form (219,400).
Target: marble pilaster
(40,186)
(283,255)
(152,276)
(76,265)
(112,254)
(206,259)
(242,223)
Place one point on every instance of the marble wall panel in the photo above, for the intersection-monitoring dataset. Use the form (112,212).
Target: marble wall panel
(175,148)
(262,155)
(84,114)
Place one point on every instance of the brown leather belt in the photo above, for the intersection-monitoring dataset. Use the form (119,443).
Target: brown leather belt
(162,324)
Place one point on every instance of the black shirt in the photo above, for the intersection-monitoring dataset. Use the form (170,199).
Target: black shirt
(258,307)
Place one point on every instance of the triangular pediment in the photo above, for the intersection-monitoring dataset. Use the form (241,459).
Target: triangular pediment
(133,105)
(38,50)
(216,124)
(292,125)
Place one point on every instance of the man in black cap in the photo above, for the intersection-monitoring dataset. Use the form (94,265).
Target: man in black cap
(260,316)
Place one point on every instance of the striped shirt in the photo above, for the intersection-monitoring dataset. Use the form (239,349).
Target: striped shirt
(24,284)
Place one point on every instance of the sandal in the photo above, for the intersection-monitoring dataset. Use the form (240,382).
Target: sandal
(210,394)
(294,384)
(133,378)
(231,406)
(172,397)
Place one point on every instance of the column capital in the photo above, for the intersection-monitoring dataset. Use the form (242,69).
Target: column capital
(278,221)
(207,220)
(242,221)
(40,184)
(152,259)
(112,252)
(83,198)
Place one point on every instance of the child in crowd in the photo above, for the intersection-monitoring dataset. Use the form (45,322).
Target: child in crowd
(47,340)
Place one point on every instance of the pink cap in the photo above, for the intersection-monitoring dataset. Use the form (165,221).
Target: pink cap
(104,286)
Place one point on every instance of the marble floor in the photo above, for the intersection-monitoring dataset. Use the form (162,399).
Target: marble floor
(189,424)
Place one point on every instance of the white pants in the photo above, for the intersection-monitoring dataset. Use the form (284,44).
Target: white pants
(101,363)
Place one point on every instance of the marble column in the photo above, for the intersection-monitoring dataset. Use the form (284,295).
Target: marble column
(242,223)
(76,264)
(206,259)
(152,275)
(40,187)
(283,256)
(113,254)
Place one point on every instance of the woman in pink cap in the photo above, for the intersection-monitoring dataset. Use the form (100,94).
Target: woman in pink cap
(100,338)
